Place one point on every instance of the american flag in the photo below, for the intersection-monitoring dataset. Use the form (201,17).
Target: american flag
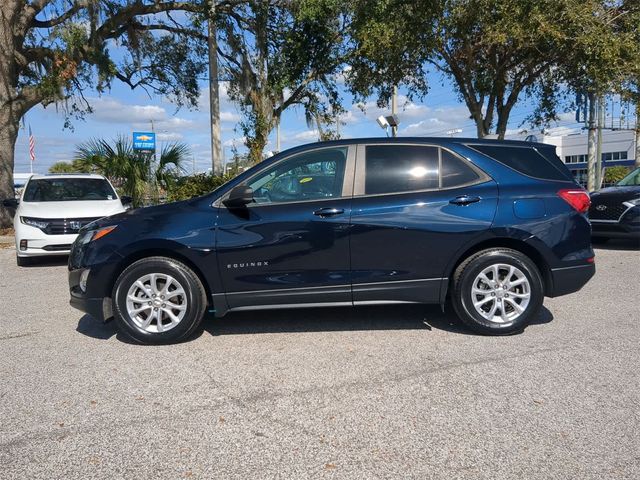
(32,145)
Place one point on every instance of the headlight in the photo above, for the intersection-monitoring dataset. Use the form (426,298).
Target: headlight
(633,203)
(35,222)
(87,236)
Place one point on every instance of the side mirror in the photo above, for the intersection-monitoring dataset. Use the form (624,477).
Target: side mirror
(239,197)
(10,203)
(125,200)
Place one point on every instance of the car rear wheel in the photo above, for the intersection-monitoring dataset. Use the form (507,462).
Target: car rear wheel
(158,300)
(497,291)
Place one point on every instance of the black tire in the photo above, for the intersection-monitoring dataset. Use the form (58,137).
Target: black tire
(195,295)
(468,271)
(599,239)
(24,261)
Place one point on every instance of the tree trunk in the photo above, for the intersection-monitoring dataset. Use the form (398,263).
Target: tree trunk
(9,125)
(591,152)
(503,120)
(479,120)
(637,162)
(10,114)
(256,146)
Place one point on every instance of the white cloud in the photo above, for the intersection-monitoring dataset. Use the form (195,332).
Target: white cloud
(110,110)
(561,131)
(437,121)
(234,142)
(567,117)
(305,136)
(170,137)
(230,117)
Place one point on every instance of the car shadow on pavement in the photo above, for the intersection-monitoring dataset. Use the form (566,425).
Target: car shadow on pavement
(89,326)
(618,244)
(380,317)
(344,319)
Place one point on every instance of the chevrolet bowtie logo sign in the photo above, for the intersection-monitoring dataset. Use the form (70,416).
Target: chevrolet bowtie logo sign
(144,141)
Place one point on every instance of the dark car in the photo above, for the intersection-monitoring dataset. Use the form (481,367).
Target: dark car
(492,225)
(615,211)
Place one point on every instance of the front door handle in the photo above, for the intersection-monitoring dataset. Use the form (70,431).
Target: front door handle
(328,212)
(464,200)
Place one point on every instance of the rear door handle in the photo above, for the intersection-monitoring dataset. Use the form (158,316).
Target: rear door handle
(328,212)
(464,200)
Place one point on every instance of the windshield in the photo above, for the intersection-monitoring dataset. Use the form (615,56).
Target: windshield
(68,189)
(631,180)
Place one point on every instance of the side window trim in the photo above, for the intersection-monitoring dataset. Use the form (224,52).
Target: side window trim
(347,182)
(361,167)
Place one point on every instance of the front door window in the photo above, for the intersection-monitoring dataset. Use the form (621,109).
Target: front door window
(314,175)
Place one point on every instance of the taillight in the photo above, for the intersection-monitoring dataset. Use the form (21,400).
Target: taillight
(577,198)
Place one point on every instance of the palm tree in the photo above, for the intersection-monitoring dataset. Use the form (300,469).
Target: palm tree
(136,174)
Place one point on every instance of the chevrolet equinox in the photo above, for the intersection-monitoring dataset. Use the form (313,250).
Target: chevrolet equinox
(494,226)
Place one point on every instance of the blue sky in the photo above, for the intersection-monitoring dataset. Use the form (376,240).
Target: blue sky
(123,111)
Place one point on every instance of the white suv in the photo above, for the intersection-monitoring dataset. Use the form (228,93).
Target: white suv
(52,208)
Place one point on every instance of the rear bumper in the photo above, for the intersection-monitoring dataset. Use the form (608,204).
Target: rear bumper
(567,280)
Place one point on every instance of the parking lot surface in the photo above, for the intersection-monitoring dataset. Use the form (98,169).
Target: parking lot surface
(376,392)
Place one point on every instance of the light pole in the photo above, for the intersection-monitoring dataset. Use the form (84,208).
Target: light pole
(214,95)
(394,101)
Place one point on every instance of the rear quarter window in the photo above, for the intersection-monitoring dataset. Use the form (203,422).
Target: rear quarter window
(530,161)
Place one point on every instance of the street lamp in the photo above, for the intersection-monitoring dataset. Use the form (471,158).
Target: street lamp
(389,121)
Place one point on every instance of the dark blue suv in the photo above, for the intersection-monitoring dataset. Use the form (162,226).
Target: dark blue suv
(494,226)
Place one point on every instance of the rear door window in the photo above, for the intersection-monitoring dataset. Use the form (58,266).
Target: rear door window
(526,160)
(456,172)
(401,168)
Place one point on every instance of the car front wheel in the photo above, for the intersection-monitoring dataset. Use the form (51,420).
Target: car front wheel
(158,300)
(497,291)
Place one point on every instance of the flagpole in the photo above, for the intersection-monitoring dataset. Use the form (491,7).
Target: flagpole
(32,150)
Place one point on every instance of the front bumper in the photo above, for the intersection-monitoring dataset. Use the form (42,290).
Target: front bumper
(40,244)
(615,230)
(98,308)
(567,280)
(627,226)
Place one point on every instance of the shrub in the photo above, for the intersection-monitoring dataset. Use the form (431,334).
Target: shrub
(615,174)
(194,186)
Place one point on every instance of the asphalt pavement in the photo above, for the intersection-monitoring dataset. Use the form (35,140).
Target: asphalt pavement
(375,392)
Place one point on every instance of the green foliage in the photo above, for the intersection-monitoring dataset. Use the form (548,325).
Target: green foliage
(615,174)
(278,55)
(195,185)
(137,175)
(68,167)
(495,52)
